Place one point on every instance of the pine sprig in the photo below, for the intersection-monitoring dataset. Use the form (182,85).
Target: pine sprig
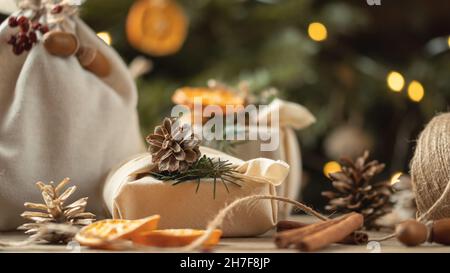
(204,168)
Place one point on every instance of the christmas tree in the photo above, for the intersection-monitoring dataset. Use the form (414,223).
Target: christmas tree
(371,74)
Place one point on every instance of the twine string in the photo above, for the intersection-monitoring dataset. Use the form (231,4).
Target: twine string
(430,172)
(220,217)
(443,199)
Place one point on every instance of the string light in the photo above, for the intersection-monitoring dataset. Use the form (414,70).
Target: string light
(106,37)
(416,92)
(395,178)
(395,81)
(331,167)
(317,32)
(448,41)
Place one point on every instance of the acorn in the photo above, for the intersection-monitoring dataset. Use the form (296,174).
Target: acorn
(440,231)
(62,44)
(94,61)
(411,233)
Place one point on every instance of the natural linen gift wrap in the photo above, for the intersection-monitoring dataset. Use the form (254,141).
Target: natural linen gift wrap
(129,196)
(293,117)
(59,120)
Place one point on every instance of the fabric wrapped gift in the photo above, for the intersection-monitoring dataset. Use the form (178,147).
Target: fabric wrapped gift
(59,120)
(128,195)
(293,117)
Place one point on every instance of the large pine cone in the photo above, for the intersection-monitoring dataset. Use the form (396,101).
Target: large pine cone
(355,190)
(173,147)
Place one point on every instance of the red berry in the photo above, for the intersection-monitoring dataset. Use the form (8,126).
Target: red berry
(12,40)
(22,20)
(12,21)
(36,25)
(32,37)
(25,27)
(44,29)
(18,49)
(57,9)
(27,46)
(22,38)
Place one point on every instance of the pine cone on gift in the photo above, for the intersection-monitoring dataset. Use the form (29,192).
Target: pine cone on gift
(355,191)
(173,147)
(55,222)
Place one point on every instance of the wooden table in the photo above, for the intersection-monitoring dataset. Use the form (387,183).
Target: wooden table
(262,244)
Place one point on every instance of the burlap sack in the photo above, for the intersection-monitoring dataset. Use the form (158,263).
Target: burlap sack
(59,120)
(128,197)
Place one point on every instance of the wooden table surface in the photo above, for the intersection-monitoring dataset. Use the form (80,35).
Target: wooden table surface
(262,244)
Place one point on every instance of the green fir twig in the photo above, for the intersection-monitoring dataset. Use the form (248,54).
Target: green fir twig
(204,168)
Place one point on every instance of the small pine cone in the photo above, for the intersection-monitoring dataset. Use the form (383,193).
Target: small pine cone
(53,221)
(173,147)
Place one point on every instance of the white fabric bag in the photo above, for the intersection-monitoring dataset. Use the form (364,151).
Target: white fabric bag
(59,120)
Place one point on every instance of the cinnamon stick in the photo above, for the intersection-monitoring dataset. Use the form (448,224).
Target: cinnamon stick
(288,225)
(292,237)
(356,238)
(331,233)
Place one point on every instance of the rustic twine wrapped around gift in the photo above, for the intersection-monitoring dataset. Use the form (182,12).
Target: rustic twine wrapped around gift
(430,170)
(218,220)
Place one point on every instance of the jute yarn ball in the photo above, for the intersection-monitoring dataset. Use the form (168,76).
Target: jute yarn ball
(430,170)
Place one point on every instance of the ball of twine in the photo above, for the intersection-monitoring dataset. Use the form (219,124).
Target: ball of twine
(430,170)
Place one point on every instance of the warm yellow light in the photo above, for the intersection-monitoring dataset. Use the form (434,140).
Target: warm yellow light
(331,167)
(106,37)
(416,92)
(395,178)
(395,81)
(317,32)
(448,41)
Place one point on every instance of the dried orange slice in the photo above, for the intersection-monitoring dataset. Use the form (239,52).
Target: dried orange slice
(157,27)
(209,96)
(175,237)
(103,234)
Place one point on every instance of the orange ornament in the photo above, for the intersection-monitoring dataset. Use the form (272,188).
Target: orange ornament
(157,27)
(104,234)
(209,96)
(176,237)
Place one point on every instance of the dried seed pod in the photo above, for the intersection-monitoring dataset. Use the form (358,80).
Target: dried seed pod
(62,44)
(440,232)
(94,61)
(86,55)
(411,233)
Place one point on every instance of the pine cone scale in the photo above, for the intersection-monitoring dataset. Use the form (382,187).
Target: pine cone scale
(190,156)
(35,206)
(340,176)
